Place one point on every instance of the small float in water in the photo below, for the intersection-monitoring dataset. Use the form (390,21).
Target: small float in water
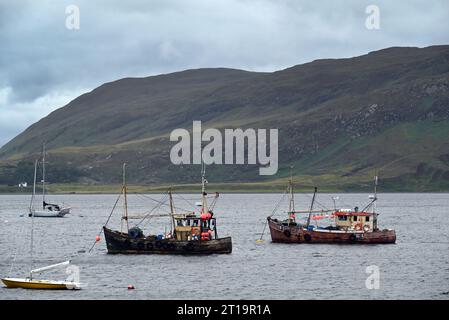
(350,226)
(191,233)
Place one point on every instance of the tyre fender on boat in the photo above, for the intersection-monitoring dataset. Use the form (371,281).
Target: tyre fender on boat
(352,237)
(189,246)
(307,237)
(287,233)
(165,245)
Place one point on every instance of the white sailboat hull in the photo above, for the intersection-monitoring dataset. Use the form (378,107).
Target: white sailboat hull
(50,214)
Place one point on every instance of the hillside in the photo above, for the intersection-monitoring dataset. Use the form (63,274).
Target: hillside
(339,121)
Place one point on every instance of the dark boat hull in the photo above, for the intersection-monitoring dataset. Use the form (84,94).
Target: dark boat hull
(296,234)
(118,242)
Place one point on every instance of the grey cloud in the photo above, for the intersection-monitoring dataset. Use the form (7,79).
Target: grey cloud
(39,57)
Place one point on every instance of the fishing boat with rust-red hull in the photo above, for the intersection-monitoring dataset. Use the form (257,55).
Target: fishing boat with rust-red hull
(300,234)
(191,233)
(349,226)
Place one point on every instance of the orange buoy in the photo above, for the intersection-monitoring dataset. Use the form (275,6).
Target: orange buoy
(97,238)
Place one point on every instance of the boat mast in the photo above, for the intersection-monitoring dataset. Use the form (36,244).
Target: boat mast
(291,205)
(172,211)
(43,175)
(374,202)
(375,193)
(34,186)
(32,220)
(311,207)
(124,190)
(203,189)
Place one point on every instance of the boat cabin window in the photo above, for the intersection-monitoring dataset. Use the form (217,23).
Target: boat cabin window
(343,218)
(367,218)
(354,218)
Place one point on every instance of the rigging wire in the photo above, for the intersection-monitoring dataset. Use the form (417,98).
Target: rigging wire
(322,206)
(272,214)
(152,210)
(159,201)
(101,231)
(186,200)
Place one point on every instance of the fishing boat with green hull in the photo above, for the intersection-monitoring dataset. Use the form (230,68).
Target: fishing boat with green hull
(191,233)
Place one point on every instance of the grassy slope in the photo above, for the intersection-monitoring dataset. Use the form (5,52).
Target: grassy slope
(328,130)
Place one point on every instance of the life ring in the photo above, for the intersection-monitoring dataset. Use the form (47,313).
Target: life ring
(307,237)
(287,233)
(358,227)
(352,237)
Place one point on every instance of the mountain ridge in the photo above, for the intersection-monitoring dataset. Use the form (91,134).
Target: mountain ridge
(339,120)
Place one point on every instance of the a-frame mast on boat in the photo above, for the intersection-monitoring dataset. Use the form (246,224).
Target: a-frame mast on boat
(376,179)
(291,204)
(311,207)
(125,213)
(203,189)
(172,211)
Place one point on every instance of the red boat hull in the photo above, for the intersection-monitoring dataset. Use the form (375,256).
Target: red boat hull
(297,234)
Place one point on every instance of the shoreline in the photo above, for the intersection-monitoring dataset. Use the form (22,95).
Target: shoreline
(67,189)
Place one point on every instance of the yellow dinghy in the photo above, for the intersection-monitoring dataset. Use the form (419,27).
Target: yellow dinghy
(40,284)
(30,283)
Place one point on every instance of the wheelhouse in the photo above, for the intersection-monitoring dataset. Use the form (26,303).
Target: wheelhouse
(353,220)
(192,227)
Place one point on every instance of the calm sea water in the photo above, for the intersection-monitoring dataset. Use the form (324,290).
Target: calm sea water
(416,267)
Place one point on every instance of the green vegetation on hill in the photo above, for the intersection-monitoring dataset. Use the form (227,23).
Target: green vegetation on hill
(340,121)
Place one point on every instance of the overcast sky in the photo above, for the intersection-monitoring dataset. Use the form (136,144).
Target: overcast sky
(44,65)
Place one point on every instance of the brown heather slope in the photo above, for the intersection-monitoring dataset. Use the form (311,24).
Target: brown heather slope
(339,120)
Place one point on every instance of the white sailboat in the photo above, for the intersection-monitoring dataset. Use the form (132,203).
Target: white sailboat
(30,282)
(49,210)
